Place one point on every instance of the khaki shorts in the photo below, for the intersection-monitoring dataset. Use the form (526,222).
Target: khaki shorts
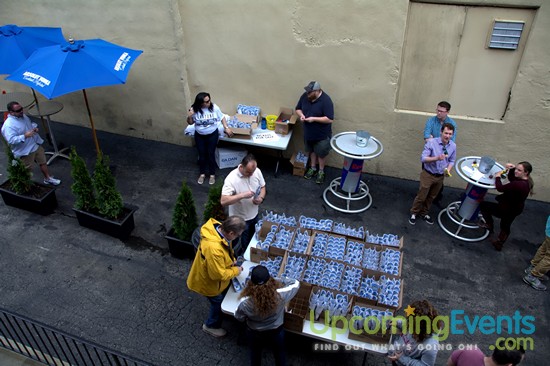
(37,156)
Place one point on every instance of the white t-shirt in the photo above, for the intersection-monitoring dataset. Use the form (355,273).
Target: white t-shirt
(207,122)
(235,183)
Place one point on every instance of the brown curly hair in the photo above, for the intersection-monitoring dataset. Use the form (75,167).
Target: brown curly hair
(264,297)
(423,308)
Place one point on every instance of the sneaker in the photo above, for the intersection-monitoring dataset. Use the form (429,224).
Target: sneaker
(215,332)
(534,282)
(428,219)
(412,219)
(52,181)
(320,178)
(212,179)
(201,179)
(310,173)
(530,268)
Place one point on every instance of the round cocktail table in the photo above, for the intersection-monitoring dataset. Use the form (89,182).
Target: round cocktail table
(465,214)
(46,109)
(349,188)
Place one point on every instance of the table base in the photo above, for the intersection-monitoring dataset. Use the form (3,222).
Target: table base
(349,197)
(55,153)
(452,213)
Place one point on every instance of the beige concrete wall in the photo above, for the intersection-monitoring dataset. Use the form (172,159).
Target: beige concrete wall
(264,52)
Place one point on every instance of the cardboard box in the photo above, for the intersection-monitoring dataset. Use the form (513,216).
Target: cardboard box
(350,237)
(324,317)
(245,132)
(256,254)
(400,300)
(373,274)
(399,247)
(229,158)
(380,337)
(278,258)
(298,167)
(298,309)
(285,114)
(292,247)
(285,263)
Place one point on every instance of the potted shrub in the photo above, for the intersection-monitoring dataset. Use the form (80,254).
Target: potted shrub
(98,203)
(213,207)
(21,192)
(184,222)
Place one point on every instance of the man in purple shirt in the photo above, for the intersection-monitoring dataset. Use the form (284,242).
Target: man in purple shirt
(438,158)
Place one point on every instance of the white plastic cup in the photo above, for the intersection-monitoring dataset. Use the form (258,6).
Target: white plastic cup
(362,138)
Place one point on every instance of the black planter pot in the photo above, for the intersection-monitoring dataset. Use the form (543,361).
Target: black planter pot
(118,229)
(179,248)
(44,204)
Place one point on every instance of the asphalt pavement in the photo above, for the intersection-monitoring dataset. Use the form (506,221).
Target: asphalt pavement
(131,295)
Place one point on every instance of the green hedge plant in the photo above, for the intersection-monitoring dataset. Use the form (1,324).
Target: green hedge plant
(184,218)
(98,193)
(108,198)
(213,207)
(18,175)
(82,186)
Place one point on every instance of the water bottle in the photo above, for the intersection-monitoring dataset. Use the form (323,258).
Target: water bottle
(264,123)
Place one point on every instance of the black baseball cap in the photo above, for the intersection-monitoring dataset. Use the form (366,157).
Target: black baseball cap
(259,275)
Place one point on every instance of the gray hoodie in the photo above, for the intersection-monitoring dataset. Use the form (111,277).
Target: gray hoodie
(246,311)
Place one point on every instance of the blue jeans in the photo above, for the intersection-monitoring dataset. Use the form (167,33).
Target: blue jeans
(274,338)
(206,146)
(215,314)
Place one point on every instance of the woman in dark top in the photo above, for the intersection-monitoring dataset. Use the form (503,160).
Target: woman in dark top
(510,203)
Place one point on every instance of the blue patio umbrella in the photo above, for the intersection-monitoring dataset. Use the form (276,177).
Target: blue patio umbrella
(18,43)
(76,65)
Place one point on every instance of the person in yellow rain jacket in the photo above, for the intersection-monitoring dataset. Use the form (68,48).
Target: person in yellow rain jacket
(214,267)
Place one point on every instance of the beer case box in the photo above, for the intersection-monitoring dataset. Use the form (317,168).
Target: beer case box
(373,274)
(229,157)
(285,114)
(329,235)
(289,229)
(308,248)
(324,317)
(298,168)
(379,249)
(380,337)
(266,228)
(285,263)
(400,300)
(297,310)
(245,132)
(257,254)
(399,247)
(350,237)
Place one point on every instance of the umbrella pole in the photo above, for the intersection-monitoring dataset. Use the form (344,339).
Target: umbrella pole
(91,122)
(44,125)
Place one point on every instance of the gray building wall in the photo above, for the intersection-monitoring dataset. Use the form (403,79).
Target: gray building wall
(264,52)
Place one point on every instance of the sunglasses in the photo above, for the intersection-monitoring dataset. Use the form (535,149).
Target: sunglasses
(445,151)
(18,111)
(206,101)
